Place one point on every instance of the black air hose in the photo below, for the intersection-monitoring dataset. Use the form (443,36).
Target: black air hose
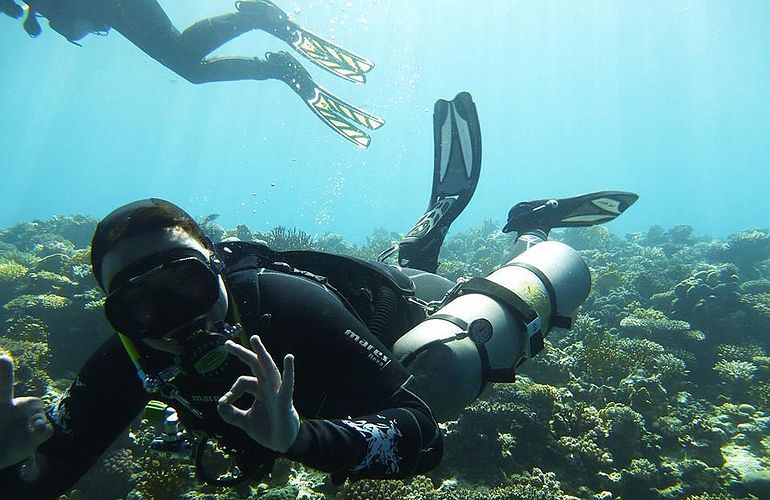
(385,303)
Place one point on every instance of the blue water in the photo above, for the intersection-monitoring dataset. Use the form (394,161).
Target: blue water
(665,98)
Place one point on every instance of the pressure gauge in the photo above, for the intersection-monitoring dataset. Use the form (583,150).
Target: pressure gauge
(480,330)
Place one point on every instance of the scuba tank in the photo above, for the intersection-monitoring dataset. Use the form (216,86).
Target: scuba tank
(487,327)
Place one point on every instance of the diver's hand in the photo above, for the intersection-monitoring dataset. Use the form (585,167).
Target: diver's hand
(23,424)
(272,420)
(11,8)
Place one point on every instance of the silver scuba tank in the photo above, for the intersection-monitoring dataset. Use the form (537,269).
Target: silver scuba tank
(491,325)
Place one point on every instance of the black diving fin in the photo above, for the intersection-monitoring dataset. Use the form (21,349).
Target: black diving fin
(579,211)
(456,169)
(328,55)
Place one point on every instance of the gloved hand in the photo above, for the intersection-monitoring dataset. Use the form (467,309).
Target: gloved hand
(272,420)
(11,8)
(23,423)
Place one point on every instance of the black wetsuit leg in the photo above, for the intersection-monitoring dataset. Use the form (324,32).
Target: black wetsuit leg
(145,24)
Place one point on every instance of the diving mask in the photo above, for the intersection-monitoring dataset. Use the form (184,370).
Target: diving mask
(162,293)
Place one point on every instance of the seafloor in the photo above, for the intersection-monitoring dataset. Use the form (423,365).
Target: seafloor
(661,390)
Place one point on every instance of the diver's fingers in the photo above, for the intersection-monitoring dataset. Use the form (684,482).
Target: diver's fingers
(40,430)
(243,385)
(6,381)
(268,369)
(248,357)
(286,392)
(232,415)
(28,406)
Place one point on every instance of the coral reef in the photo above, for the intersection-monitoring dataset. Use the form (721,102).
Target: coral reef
(660,390)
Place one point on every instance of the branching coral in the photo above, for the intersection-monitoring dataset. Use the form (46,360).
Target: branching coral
(623,429)
(282,238)
(24,303)
(654,325)
(26,328)
(746,249)
(737,374)
(418,488)
(607,359)
(11,271)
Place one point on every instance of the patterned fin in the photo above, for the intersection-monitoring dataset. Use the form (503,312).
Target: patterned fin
(331,57)
(343,118)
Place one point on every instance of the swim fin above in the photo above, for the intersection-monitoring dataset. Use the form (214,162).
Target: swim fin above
(456,169)
(343,118)
(579,211)
(329,56)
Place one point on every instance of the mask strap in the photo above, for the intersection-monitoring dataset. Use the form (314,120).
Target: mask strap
(133,354)
(243,337)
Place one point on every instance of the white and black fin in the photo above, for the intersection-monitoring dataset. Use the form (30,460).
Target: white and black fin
(331,57)
(328,55)
(457,149)
(579,211)
(456,169)
(343,118)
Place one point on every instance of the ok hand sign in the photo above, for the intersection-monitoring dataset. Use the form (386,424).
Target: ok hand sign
(272,420)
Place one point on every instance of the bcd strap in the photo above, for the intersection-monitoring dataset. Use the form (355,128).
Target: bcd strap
(487,375)
(532,323)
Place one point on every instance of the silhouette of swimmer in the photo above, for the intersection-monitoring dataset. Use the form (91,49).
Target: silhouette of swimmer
(145,24)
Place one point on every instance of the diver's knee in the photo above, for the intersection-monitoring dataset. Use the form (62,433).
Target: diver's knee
(193,72)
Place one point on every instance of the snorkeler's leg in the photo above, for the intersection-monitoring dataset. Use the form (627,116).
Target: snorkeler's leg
(207,35)
(145,24)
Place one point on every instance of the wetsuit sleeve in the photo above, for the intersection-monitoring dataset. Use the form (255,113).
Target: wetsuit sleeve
(102,401)
(399,441)
(359,417)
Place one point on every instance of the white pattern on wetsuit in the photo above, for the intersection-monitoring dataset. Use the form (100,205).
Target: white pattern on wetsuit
(380,443)
(59,414)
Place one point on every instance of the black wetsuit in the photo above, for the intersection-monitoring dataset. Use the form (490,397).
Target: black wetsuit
(359,418)
(145,24)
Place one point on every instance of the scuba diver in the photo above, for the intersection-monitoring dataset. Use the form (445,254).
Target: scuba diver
(344,365)
(145,24)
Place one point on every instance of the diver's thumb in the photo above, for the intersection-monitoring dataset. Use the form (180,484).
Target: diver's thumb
(40,431)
